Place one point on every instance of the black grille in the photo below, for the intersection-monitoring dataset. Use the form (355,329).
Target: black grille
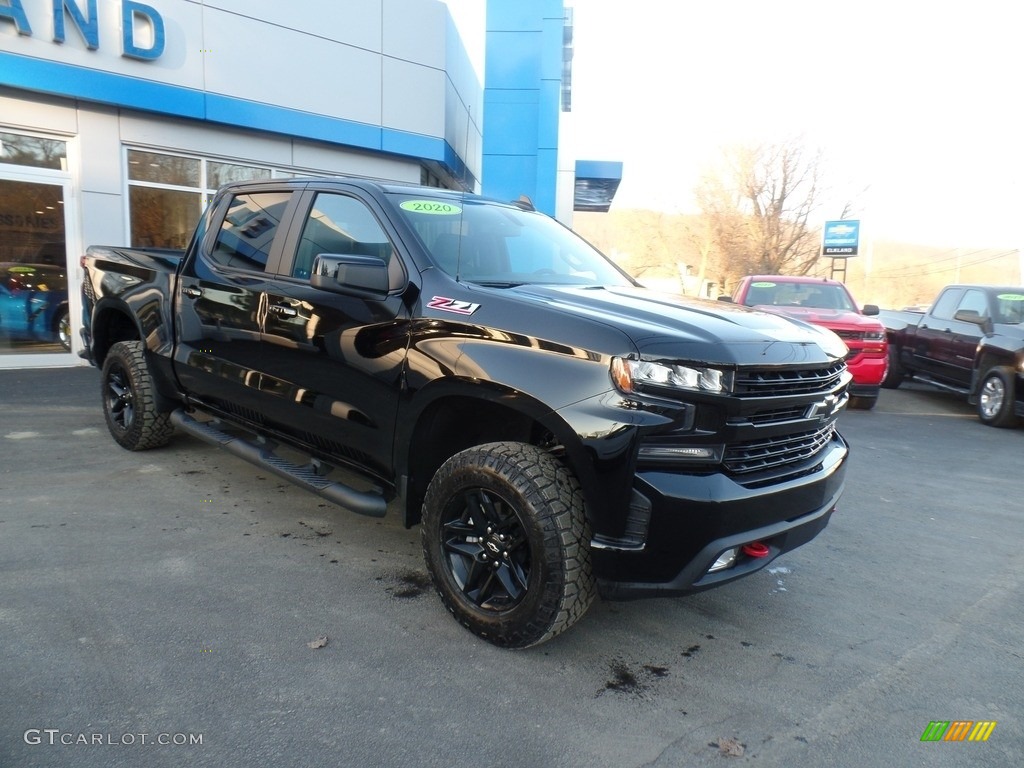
(771,416)
(763,382)
(757,455)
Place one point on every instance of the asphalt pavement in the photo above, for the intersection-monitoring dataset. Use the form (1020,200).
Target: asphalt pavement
(169,608)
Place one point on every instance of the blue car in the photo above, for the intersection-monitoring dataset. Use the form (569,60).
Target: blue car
(34,304)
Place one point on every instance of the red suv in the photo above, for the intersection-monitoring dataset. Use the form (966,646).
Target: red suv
(829,304)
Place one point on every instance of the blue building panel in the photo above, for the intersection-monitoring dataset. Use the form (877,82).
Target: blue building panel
(414,145)
(521,14)
(512,176)
(522,100)
(511,123)
(544,198)
(599,169)
(513,60)
(551,47)
(74,82)
(263,117)
(550,109)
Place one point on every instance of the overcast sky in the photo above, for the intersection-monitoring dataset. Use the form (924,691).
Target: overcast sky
(917,102)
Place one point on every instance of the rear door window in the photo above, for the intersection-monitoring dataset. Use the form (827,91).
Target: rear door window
(945,307)
(248,230)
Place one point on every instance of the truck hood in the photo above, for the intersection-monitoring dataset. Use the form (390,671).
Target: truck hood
(833,319)
(666,326)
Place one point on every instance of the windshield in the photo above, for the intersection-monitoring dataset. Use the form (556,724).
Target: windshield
(494,244)
(1010,307)
(815,295)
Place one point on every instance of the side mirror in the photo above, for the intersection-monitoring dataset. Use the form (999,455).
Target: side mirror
(350,274)
(726,299)
(870,310)
(969,316)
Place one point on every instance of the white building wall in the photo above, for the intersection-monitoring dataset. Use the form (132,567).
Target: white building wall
(374,88)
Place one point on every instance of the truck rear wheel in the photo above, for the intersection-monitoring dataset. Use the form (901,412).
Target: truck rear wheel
(506,541)
(129,399)
(996,398)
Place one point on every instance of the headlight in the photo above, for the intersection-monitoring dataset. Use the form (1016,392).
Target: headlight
(873,335)
(629,375)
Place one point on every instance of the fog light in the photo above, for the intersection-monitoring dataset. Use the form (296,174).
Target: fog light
(725,560)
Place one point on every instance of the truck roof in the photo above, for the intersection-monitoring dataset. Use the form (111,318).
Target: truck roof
(794,279)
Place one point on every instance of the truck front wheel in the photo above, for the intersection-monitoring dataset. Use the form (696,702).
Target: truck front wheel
(996,398)
(894,375)
(129,399)
(506,540)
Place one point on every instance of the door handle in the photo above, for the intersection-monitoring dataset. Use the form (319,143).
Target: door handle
(283,311)
(192,292)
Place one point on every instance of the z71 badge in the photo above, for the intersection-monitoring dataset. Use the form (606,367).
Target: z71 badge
(453,305)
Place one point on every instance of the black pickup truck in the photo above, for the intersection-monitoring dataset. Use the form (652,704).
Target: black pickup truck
(970,341)
(556,429)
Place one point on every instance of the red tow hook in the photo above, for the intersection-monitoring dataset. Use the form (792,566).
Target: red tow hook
(755,549)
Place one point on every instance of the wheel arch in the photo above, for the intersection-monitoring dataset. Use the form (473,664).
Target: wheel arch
(456,415)
(112,321)
(987,357)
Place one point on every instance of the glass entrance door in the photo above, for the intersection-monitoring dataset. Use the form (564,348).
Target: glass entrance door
(34,308)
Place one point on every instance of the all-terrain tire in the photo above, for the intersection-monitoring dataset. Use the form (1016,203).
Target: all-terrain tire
(130,401)
(507,543)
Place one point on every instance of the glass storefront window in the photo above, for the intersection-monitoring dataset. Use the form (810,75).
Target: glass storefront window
(162,218)
(34,315)
(33,151)
(163,169)
(219,174)
(167,193)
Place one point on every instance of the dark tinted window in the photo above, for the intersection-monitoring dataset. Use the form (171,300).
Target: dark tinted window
(945,307)
(974,301)
(340,224)
(248,230)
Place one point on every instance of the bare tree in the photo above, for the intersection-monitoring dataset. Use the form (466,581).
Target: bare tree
(759,207)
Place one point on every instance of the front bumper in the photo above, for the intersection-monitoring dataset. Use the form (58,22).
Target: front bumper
(696,518)
(868,370)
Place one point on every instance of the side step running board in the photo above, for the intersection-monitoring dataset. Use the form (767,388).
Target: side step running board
(307,477)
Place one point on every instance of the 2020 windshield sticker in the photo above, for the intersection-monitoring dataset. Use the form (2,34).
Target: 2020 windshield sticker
(432,207)
(453,305)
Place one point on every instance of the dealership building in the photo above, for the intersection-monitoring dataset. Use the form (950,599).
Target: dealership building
(119,119)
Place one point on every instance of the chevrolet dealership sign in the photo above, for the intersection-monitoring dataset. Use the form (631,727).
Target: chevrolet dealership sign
(840,239)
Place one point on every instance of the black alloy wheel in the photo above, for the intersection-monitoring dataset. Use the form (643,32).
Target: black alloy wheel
(120,399)
(487,550)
